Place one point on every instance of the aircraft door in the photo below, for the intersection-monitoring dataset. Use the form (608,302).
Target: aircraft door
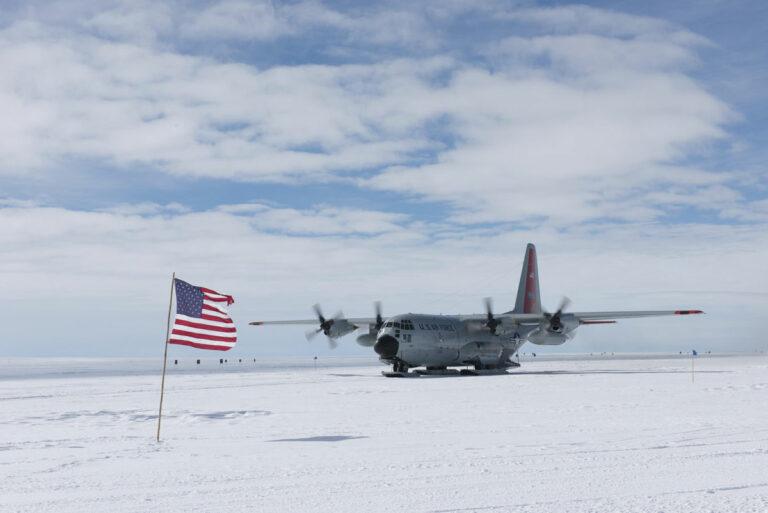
(448,342)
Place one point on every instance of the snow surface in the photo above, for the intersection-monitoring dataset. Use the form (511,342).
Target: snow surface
(564,435)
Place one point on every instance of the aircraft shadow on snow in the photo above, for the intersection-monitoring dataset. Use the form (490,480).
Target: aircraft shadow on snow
(611,371)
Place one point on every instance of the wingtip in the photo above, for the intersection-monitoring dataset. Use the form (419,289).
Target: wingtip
(688,312)
(256,323)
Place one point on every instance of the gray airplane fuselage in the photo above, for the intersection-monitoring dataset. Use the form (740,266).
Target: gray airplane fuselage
(443,341)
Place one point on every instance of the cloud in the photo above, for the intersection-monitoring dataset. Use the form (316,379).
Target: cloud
(586,19)
(129,105)
(564,128)
(753,211)
(323,220)
(146,208)
(174,22)
(570,128)
(235,19)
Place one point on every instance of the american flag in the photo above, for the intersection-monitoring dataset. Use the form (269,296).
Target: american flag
(201,319)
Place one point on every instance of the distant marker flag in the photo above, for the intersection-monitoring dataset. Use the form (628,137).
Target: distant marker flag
(201,318)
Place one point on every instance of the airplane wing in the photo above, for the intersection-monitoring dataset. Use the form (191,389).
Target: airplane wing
(583,317)
(610,317)
(298,321)
(357,321)
(513,318)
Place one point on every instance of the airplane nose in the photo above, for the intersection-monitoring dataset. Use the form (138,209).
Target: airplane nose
(386,346)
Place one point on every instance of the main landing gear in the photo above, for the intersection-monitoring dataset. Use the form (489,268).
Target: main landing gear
(400,366)
(399,370)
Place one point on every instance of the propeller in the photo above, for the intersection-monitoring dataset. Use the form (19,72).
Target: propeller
(492,323)
(325,326)
(554,319)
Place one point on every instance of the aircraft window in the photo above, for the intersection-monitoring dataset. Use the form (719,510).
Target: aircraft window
(388,325)
(397,325)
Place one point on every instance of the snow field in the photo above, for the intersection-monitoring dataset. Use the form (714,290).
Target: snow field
(565,436)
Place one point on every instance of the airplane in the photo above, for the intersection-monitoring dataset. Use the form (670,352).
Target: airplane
(486,342)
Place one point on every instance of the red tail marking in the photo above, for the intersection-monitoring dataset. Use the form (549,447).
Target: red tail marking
(530,283)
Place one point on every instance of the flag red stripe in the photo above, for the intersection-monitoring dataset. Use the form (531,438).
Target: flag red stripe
(199,346)
(214,318)
(229,299)
(217,299)
(202,336)
(213,309)
(182,322)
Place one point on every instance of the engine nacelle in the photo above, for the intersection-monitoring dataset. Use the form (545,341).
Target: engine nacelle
(546,336)
(340,327)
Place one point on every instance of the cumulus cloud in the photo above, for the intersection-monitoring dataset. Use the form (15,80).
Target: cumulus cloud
(127,105)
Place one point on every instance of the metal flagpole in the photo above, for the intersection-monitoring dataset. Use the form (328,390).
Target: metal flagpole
(165,356)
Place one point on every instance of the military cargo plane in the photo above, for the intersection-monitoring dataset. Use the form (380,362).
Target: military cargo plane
(481,343)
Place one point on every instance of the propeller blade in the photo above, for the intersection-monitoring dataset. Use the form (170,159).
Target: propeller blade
(318,312)
(379,318)
(332,344)
(492,323)
(488,306)
(553,320)
(313,333)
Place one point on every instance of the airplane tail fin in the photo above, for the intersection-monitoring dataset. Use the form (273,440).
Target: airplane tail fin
(528,298)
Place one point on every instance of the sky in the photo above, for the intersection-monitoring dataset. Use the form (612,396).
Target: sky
(292,153)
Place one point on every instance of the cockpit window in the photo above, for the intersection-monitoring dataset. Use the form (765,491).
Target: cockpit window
(388,325)
(397,324)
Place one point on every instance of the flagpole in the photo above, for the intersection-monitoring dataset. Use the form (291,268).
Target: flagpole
(693,356)
(165,356)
